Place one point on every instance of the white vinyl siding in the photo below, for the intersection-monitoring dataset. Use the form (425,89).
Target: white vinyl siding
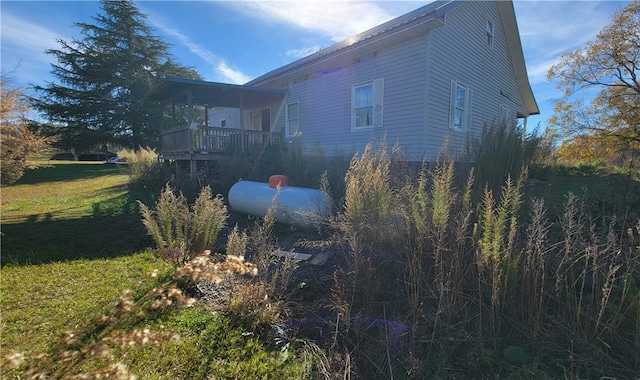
(459,51)
(417,74)
(292,120)
(460,105)
(366,100)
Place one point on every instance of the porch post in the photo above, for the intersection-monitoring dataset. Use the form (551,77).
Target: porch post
(193,172)
(242,145)
(193,168)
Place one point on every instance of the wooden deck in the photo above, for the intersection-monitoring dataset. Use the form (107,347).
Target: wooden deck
(204,143)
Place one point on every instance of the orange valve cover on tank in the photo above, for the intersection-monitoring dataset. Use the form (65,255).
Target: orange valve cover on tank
(278,180)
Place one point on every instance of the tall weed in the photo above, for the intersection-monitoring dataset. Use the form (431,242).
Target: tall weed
(469,277)
(501,151)
(181,232)
(369,224)
(145,168)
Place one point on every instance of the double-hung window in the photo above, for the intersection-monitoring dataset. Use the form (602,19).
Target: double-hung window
(367,105)
(489,33)
(292,119)
(460,106)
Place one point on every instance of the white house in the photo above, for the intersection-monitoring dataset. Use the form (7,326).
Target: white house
(441,72)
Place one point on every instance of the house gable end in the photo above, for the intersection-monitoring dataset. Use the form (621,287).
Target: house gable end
(517,57)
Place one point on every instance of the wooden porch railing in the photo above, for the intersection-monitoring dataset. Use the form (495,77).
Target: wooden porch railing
(217,140)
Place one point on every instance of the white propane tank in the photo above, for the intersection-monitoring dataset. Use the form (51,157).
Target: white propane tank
(293,205)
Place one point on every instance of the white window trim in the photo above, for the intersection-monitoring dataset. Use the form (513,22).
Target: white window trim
(466,114)
(378,104)
(286,126)
(490,33)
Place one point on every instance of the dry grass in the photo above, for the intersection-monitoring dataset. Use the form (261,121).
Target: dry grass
(484,288)
(179,231)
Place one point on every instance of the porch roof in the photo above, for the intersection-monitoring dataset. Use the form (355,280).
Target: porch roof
(214,94)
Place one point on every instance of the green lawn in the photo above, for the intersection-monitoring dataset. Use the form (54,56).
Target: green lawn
(72,243)
(70,211)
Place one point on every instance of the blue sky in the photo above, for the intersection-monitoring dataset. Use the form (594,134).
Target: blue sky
(236,41)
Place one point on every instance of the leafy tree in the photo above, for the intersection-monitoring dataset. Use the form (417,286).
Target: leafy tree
(18,140)
(608,65)
(105,79)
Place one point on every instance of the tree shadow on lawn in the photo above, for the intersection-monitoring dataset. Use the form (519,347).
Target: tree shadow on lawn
(114,229)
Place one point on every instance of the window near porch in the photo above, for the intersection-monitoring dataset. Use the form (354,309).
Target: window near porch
(367,105)
(292,118)
(460,106)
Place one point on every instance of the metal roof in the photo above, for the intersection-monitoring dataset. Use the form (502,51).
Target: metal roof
(432,11)
(214,94)
(252,94)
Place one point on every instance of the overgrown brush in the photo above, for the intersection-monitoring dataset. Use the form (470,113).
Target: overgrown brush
(501,151)
(437,216)
(484,282)
(369,226)
(144,167)
(179,231)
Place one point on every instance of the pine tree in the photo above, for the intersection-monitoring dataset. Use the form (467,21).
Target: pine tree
(105,78)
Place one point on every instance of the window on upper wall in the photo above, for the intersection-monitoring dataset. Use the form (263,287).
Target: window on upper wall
(292,127)
(489,33)
(367,102)
(460,110)
(223,123)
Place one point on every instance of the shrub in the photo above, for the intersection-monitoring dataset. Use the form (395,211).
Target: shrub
(19,139)
(181,232)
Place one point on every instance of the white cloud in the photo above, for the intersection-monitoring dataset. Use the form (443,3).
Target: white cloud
(538,71)
(302,52)
(32,38)
(222,71)
(23,49)
(550,28)
(336,19)
(234,76)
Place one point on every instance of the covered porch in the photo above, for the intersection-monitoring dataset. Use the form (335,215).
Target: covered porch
(185,132)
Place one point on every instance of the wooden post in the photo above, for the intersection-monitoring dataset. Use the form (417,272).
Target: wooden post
(193,172)
(193,168)
(242,147)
